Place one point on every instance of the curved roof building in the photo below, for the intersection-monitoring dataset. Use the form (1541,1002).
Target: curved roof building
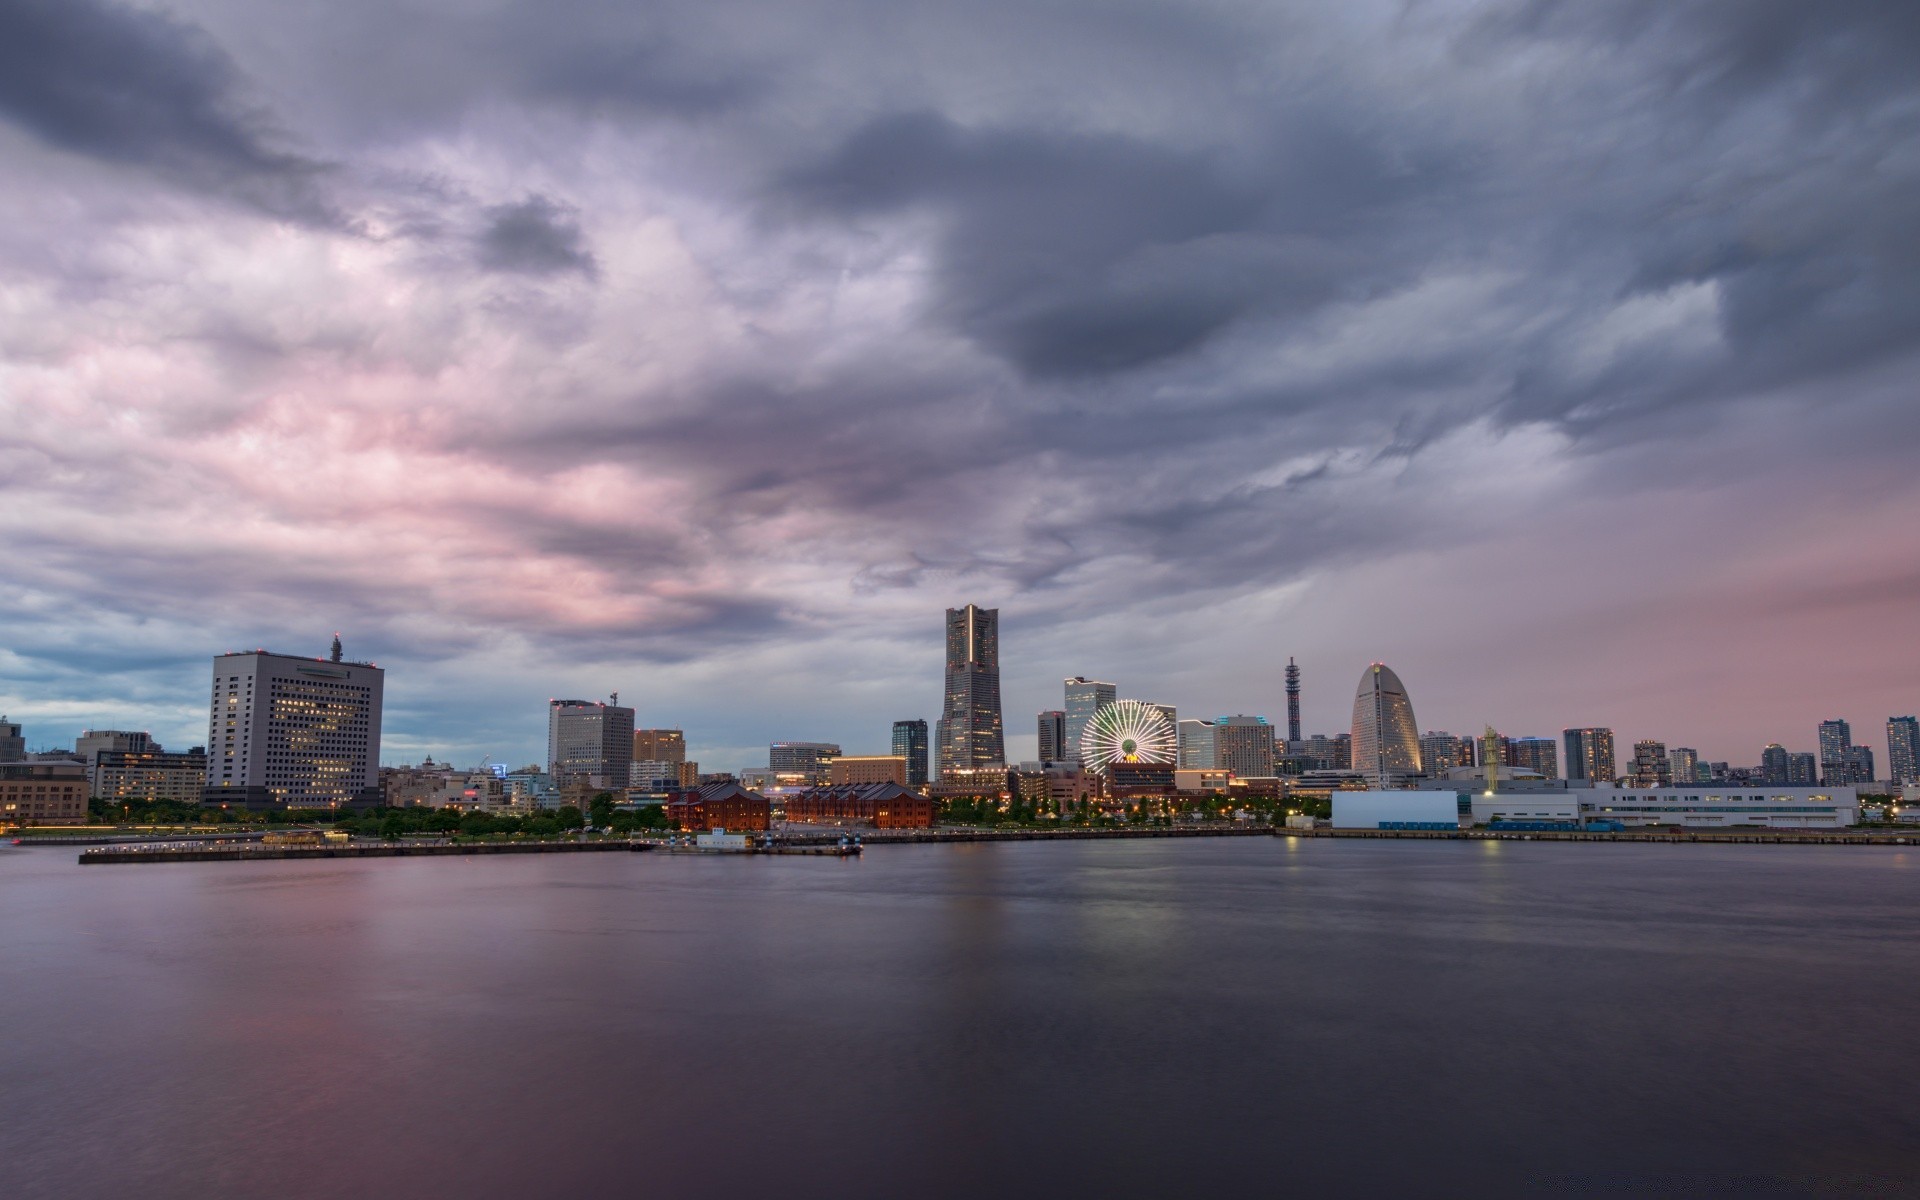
(1386,742)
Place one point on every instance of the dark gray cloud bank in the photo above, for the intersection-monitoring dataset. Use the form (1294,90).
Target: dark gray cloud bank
(706,352)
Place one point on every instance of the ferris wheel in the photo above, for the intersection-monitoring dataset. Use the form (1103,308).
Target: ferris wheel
(1128,731)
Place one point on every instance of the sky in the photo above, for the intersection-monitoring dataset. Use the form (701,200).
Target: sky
(1562,356)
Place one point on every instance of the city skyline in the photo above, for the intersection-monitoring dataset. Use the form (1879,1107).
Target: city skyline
(732,759)
(1303,332)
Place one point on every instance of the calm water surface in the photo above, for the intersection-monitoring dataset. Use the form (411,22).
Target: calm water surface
(1233,1017)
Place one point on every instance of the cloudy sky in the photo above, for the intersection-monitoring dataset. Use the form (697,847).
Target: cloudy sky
(1561,355)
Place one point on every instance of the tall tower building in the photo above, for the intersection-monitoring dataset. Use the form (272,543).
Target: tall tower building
(1836,746)
(1293,702)
(910,743)
(970,732)
(294,732)
(1590,754)
(1053,736)
(1084,697)
(1386,741)
(1535,754)
(591,740)
(1775,764)
(1903,749)
(1684,762)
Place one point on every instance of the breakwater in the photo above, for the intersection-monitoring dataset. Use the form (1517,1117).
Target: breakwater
(250,853)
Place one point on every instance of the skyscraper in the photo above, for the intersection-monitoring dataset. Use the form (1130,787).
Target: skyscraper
(1244,745)
(1650,765)
(1903,749)
(285,730)
(1440,752)
(970,733)
(589,739)
(1775,764)
(1684,764)
(1386,741)
(910,743)
(1589,754)
(1535,754)
(1802,770)
(1053,736)
(1836,739)
(1293,702)
(1197,745)
(1084,697)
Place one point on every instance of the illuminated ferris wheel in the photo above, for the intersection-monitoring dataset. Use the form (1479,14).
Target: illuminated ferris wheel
(1128,731)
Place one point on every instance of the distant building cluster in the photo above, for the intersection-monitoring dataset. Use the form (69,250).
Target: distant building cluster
(294,732)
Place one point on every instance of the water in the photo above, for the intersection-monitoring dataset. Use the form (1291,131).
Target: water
(1231,1017)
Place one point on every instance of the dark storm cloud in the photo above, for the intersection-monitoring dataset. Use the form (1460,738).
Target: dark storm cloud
(534,237)
(1084,254)
(142,88)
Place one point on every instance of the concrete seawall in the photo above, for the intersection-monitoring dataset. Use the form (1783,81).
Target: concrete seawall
(370,850)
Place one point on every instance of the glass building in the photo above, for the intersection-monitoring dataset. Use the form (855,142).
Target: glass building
(970,730)
(910,743)
(1386,741)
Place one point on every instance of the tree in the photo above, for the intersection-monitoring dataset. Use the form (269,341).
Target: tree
(570,817)
(601,808)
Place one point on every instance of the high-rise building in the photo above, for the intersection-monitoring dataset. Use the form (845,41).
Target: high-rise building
(589,740)
(1802,770)
(1774,764)
(1386,742)
(1084,697)
(1197,746)
(1293,702)
(1243,745)
(13,746)
(811,760)
(970,733)
(659,745)
(1537,754)
(1650,766)
(144,775)
(1441,751)
(1589,754)
(1491,747)
(1836,740)
(294,732)
(1860,764)
(1903,749)
(910,743)
(1683,765)
(1053,736)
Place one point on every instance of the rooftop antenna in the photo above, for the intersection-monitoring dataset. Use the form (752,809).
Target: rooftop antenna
(615,696)
(336,647)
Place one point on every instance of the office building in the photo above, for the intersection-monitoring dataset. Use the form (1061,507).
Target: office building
(854,770)
(659,745)
(43,793)
(1053,735)
(1589,754)
(144,776)
(970,734)
(294,732)
(1683,765)
(589,740)
(1386,741)
(1537,754)
(1903,750)
(1197,745)
(910,743)
(1803,770)
(13,746)
(1774,763)
(1650,766)
(1293,702)
(1084,697)
(1243,745)
(1323,753)
(811,762)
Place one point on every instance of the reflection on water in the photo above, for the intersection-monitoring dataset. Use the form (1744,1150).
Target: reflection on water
(1120,1019)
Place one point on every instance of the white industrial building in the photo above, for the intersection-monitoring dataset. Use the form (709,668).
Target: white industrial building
(1717,807)
(1540,805)
(1396,810)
